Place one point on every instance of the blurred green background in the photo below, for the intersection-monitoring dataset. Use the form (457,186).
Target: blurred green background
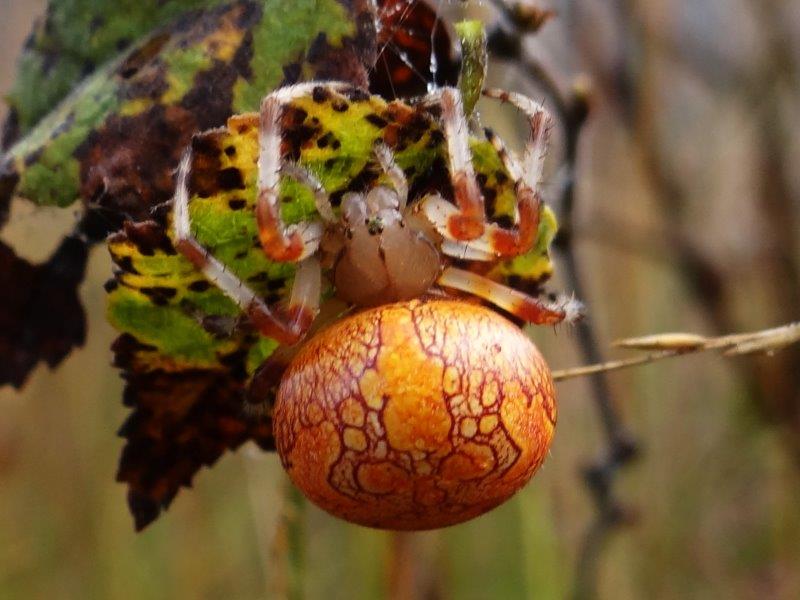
(692,155)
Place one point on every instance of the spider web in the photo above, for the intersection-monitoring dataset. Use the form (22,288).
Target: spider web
(414,49)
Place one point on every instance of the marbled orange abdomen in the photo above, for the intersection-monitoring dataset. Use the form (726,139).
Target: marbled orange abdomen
(415,415)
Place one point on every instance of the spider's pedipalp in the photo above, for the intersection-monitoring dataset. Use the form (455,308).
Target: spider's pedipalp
(321,199)
(395,174)
(310,232)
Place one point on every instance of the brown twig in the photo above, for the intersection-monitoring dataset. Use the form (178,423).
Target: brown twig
(772,385)
(571,111)
(628,83)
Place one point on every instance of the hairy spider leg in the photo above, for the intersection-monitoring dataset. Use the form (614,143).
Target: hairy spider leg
(527,177)
(395,174)
(288,326)
(496,241)
(468,221)
(529,309)
(540,123)
(260,394)
(322,201)
(280,242)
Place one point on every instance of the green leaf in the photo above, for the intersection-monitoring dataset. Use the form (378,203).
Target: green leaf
(116,137)
(73,39)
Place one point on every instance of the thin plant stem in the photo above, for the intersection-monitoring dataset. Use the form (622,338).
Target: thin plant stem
(290,541)
(670,345)
(571,110)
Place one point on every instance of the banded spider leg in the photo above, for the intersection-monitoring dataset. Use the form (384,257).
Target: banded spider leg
(494,241)
(467,220)
(293,243)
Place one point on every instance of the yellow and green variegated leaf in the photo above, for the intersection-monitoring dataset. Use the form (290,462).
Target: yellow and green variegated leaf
(73,39)
(334,138)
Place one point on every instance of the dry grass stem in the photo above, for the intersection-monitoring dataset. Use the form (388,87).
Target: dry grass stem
(667,345)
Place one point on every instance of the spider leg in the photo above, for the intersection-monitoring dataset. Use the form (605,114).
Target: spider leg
(303,305)
(514,241)
(496,241)
(540,123)
(526,177)
(529,309)
(321,199)
(281,242)
(469,221)
(437,211)
(260,396)
(395,174)
(493,239)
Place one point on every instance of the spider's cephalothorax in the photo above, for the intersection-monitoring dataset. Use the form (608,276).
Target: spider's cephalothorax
(377,255)
(379,245)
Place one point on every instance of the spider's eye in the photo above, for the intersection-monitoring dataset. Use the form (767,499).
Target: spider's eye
(415,415)
(374,226)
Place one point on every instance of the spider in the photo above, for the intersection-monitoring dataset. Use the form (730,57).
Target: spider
(381,245)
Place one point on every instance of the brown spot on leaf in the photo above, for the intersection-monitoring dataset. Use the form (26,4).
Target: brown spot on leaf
(325,140)
(126,166)
(340,105)
(230,179)
(320,94)
(364,180)
(147,236)
(160,295)
(125,263)
(205,164)
(8,182)
(376,120)
(10,132)
(201,285)
(298,133)
(142,56)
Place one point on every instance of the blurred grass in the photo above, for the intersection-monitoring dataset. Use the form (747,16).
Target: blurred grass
(717,494)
